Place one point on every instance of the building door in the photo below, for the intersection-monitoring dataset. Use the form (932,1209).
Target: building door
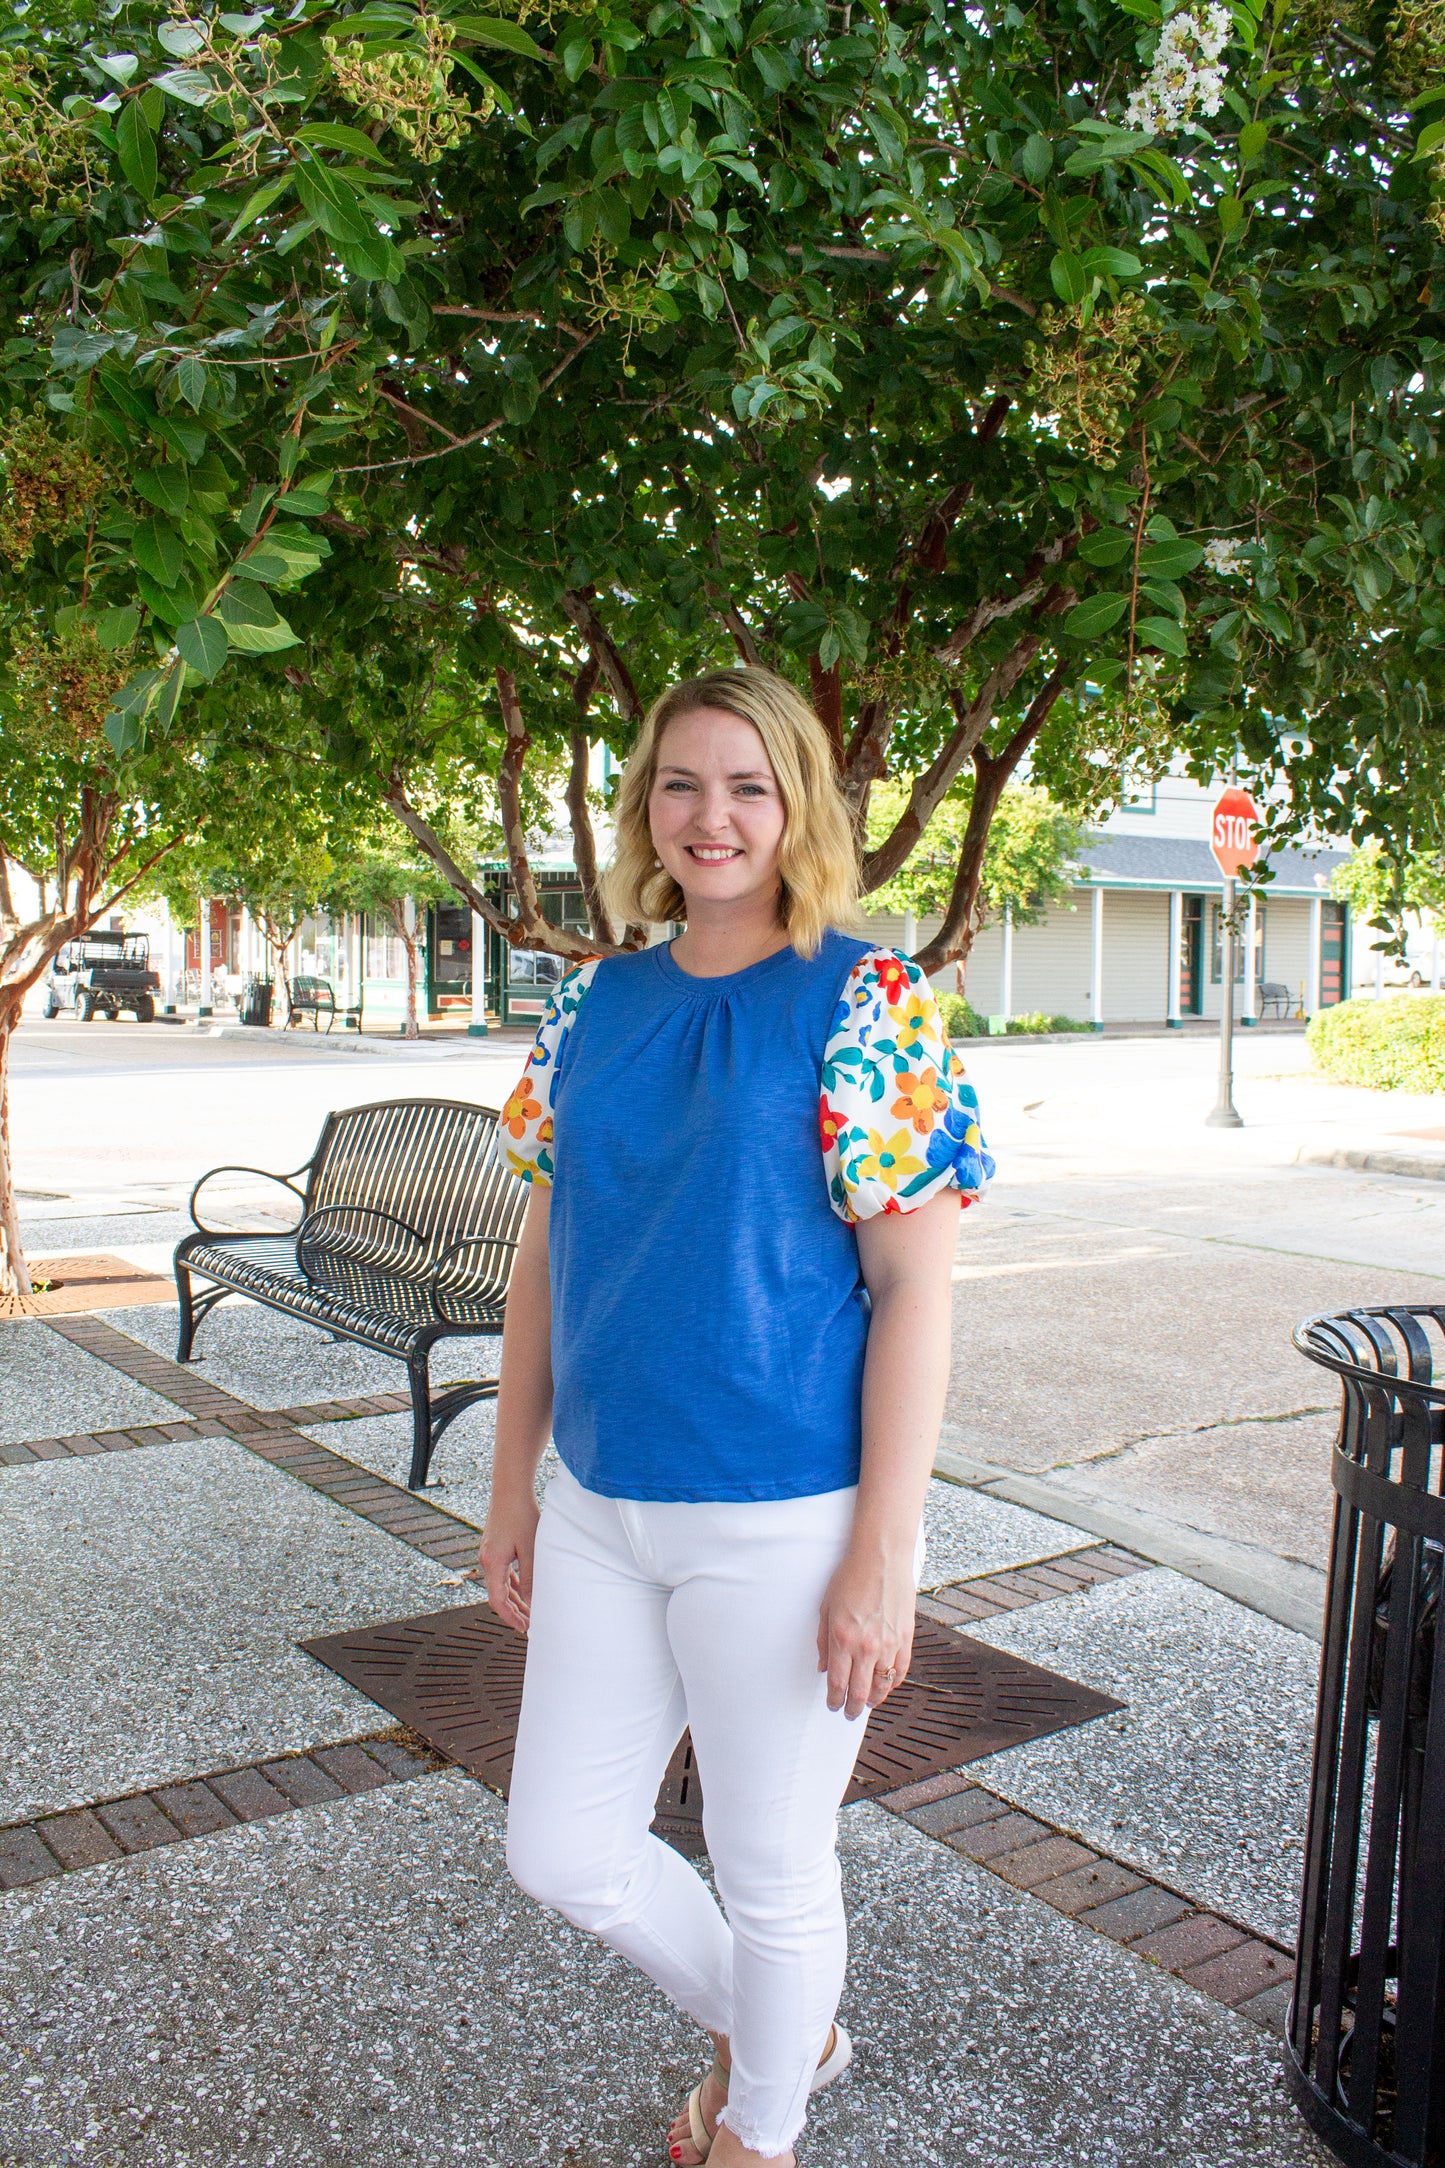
(1332,954)
(1191,957)
(449,956)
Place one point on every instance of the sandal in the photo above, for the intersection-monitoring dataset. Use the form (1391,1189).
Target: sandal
(834,2063)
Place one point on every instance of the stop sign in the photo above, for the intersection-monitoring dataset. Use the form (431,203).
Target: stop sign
(1232,832)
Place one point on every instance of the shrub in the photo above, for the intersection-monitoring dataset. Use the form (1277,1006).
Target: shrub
(1395,1044)
(960,1019)
(1037,1021)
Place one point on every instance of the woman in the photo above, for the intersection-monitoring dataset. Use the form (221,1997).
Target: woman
(737,1330)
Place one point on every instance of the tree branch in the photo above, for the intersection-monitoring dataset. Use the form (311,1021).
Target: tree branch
(584,842)
(992,772)
(578,604)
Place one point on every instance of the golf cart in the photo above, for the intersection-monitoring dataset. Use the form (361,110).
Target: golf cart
(103,973)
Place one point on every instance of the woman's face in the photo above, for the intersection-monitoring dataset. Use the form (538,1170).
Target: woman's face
(716,812)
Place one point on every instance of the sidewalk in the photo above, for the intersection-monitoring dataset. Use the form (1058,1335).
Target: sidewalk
(249,1920)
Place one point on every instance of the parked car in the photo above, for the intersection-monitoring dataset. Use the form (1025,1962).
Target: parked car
(101,974)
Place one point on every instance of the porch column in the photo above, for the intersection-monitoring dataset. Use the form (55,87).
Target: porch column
(1006,988)
(1314,969)
(168,994)
(204,1008)
(477,1028)
(1249,990)
(1096,986)
(1176,959)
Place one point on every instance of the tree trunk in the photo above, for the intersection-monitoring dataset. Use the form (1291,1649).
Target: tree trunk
(403,912)
(992,772)
(14,1273)
(579,812)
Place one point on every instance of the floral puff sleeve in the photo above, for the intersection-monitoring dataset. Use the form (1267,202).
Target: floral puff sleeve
(899,1121)
(527,1116)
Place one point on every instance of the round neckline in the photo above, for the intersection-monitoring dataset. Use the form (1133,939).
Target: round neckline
(718,982)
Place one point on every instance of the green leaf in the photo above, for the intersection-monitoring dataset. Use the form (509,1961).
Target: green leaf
(284,554)
(117,628)
(1070,280)
(496,30)
(374,258)
(1231,215)
(1110,546)
(1170,560)
(125,732)
(261,199)
(190,380)
(189,85)
(158,550)
(170,698)
(1429,138)
(172,605)
(167,488)
(254,625)
(1112,263)
(1037,159)
(332,204)
(1252,138)
(1096,615)
(331,135)
(202,643)
(136,149)
(1163,633)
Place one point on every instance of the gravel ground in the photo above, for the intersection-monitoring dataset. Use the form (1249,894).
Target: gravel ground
(49,1388)
(276,1361)
(1202,1777)
(362,1983)
(150,1602)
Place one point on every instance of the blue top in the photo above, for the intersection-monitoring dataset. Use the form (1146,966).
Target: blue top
(710,1143)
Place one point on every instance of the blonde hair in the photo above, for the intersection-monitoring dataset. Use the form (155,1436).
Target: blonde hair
(816,858)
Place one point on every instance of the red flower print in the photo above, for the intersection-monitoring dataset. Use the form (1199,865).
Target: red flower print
(892,978)
(831,1123)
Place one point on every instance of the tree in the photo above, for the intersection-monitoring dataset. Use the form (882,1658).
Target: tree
(1381,889)
(380,874)
(1032,853)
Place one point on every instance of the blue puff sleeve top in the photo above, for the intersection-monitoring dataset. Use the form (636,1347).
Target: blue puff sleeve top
(710,1144)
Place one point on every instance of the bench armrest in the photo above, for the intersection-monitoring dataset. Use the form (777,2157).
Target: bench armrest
(350,1242)
(286,1181)
(490,1282)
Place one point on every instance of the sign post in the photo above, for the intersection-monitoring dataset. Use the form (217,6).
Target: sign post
(1233,841)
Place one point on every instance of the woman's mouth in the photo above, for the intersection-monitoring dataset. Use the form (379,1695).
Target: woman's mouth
(712,854)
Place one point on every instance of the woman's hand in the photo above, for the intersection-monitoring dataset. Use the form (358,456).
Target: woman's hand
(509,1539)
(865,1630)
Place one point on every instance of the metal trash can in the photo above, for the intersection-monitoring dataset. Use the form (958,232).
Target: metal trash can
(1365,2045)
(256,999)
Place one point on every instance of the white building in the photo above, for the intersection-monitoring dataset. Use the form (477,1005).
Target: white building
(1138,938)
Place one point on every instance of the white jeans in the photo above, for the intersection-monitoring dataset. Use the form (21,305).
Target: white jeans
(647,1617)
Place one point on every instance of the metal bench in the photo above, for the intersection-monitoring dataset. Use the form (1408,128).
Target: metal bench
(407,1232)
(310,997)
(1273,993)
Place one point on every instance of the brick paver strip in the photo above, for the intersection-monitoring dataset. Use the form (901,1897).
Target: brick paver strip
(1042,1862)
(24,1859)
(1177,1948)
(137,1824)
(250,1796)
(77,1839)
(303,1783)
(194,1808)
(1271,2008)
(1142,1912)
(113,1829)
(1086,1888)
(1001,1833)
(924,1792)
(967,1809)
(1241,1973)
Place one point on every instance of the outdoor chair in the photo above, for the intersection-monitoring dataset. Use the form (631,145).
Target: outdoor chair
(1273,993)
(408,1228)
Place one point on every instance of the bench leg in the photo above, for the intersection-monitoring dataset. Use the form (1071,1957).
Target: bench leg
(193,1308)
(421,1432)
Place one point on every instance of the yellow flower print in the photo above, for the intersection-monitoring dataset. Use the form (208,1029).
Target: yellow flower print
(888,1159)
(915,1019)
(919,1099)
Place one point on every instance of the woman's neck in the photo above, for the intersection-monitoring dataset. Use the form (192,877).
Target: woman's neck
(717,941)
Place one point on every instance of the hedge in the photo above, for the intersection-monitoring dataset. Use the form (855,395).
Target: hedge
(962,1021)
(1394,1044)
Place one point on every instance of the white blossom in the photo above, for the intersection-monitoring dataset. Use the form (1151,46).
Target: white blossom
(1225,558)
(1186,77)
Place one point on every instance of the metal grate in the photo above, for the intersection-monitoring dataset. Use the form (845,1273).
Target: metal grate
(456,1678)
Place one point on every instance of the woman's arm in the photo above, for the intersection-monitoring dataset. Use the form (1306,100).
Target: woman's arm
(524,1422)
(866,1624)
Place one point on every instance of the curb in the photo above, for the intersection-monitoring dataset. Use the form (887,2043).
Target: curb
(1283,1589)
(1365,1159)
